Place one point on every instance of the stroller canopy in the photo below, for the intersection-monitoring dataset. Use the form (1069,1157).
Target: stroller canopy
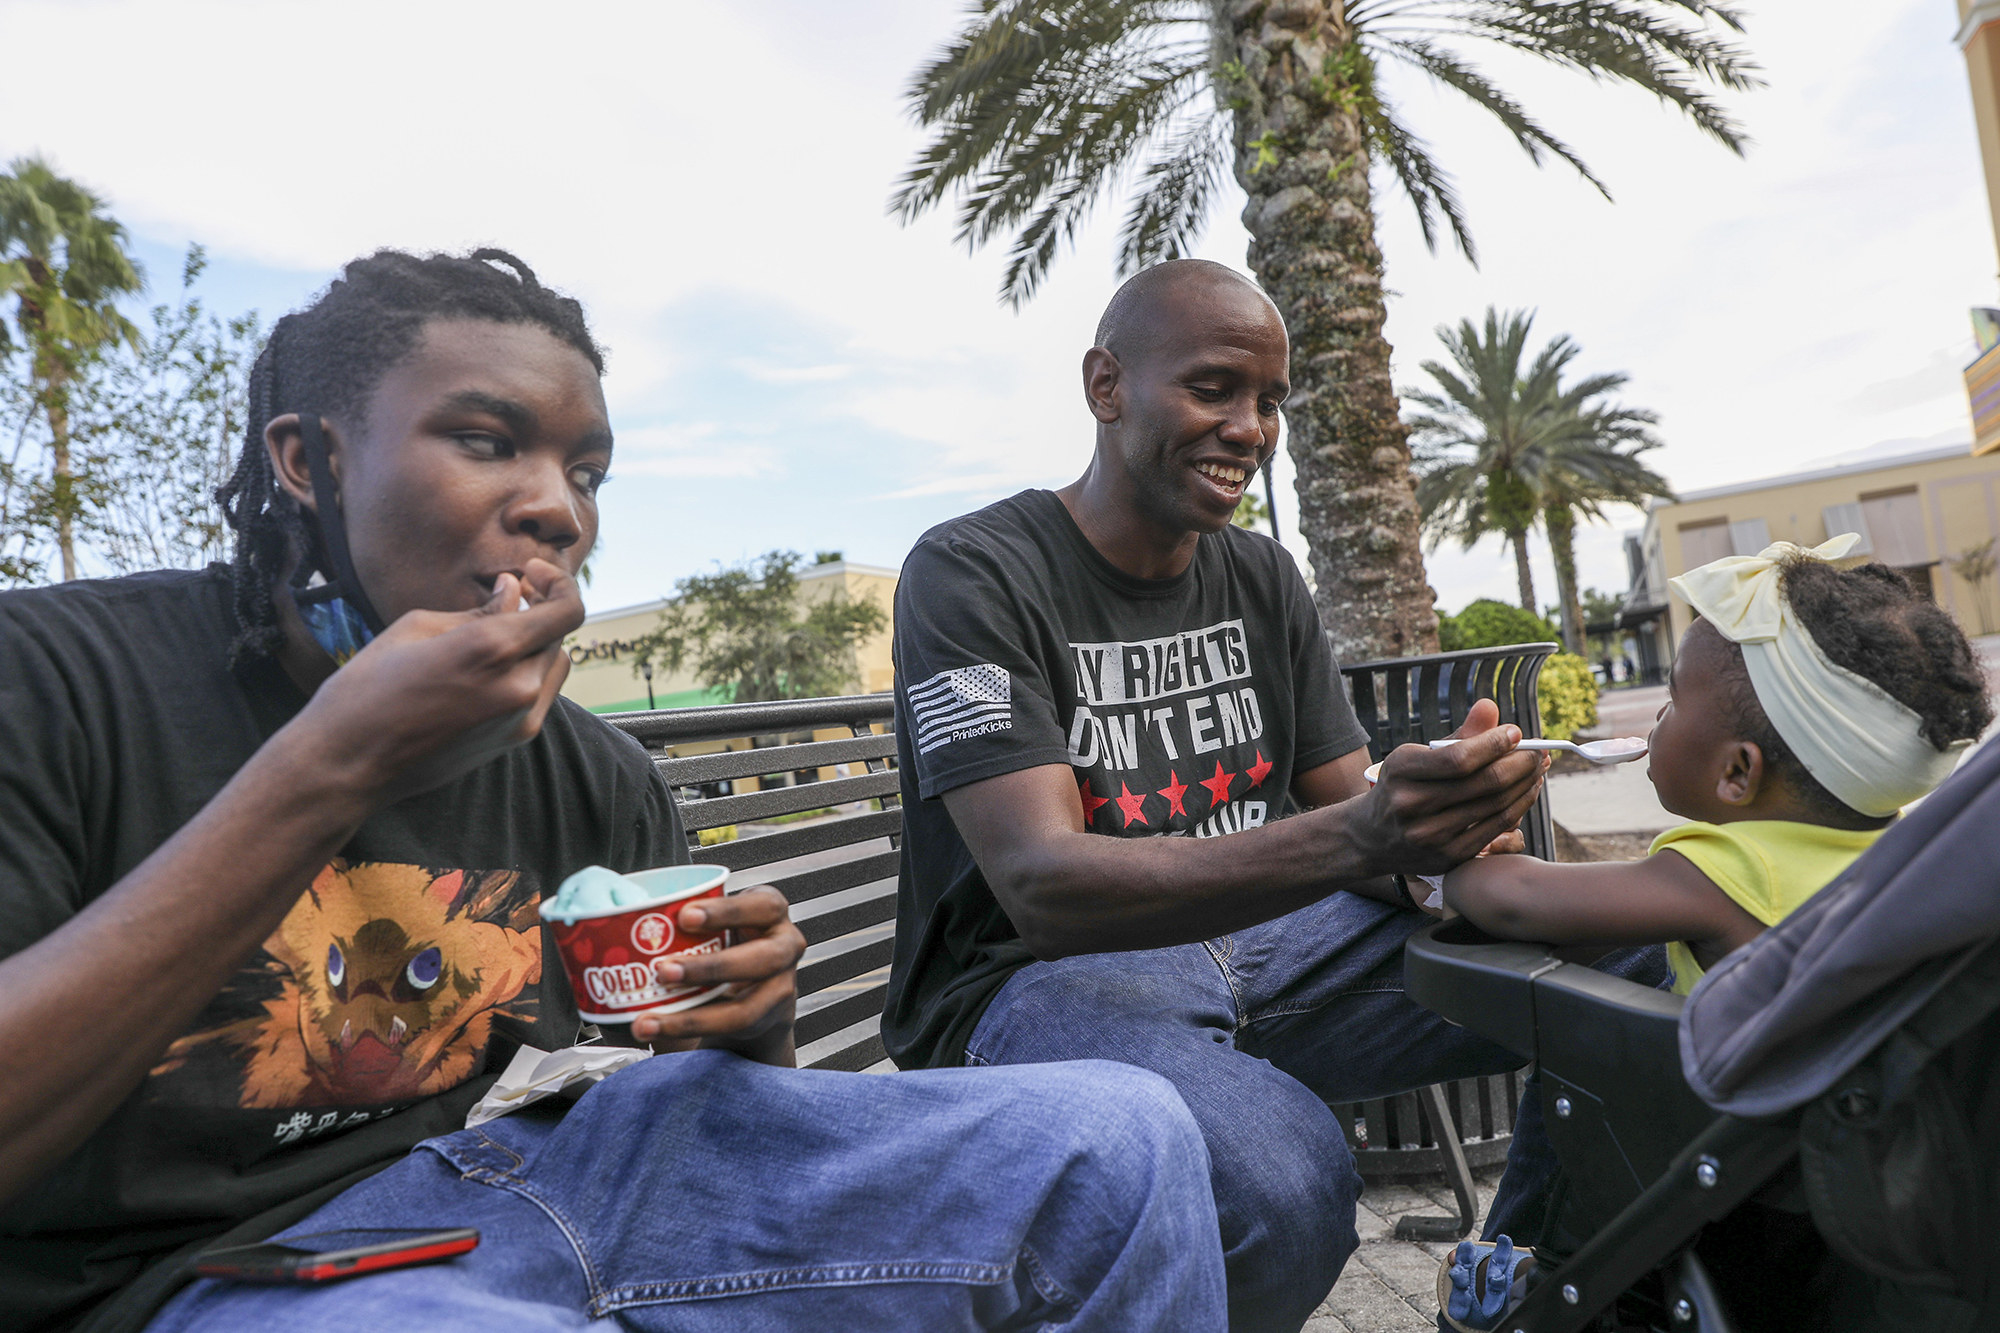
(1776,1023)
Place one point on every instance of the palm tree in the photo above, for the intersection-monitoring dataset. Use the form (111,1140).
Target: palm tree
(1583,483)
(65,264)
(1497,447)
(1038,107)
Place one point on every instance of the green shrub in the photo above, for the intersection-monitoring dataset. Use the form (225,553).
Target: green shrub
(1490,624)
(1568,696)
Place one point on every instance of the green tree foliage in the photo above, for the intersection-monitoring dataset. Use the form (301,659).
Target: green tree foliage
(1490,624)
(1567,693)
(64,263)
(1040,109)
(154,425)
(746,633)
(160,425)
(1252,513)
(1498,446)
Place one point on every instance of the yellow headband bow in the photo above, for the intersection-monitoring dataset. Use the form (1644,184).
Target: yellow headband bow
(1861,743)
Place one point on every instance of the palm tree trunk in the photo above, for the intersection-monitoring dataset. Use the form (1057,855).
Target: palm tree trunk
(51,390)
(1301,159)
(1560,522)
(57,405)
(1522,572)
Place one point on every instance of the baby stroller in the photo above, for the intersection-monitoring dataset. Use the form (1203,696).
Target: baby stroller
(1813,1142)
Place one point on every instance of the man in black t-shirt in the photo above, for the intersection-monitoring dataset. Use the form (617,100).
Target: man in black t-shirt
(1116,659)
(273,837)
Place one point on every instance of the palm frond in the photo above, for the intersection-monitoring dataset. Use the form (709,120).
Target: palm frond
(1460,77)
(1629,41)
(1039,107)
(1427,185)
(1176,188)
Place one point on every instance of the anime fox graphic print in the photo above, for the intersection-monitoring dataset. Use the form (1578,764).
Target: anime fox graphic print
(382,985)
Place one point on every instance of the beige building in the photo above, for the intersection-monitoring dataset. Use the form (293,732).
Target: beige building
(601,674)
(1979,39)
(1913,511)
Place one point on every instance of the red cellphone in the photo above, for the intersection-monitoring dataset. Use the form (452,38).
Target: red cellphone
(328,1256)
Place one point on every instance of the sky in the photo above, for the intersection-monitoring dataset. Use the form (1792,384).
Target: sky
(792,368)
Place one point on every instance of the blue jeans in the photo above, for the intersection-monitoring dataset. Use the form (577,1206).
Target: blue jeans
(704,1192)
(1259,1031)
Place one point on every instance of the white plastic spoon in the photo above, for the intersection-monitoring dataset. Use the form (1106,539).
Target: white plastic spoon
(1619,750)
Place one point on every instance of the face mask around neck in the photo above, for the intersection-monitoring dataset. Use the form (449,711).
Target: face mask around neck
(337,627)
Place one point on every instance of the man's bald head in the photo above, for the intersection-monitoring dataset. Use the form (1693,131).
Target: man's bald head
(1161,300)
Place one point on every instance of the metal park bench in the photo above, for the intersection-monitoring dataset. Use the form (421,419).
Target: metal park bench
(830,845)
(1401,700)
(838,871)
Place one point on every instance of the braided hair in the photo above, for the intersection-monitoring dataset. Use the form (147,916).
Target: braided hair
(329,358)
(1872,622)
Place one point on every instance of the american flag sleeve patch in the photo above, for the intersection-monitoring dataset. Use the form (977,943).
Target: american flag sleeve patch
(962,702)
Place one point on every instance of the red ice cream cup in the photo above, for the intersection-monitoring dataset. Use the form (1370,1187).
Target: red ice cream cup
(609,954)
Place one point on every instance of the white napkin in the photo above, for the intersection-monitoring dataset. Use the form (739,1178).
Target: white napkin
(533,1075)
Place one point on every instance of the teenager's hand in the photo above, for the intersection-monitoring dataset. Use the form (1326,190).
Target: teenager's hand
(761,969)
(439,693)
(1434,809)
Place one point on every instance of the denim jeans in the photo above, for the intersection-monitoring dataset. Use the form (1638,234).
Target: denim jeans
(703,1192)
(1259,1031)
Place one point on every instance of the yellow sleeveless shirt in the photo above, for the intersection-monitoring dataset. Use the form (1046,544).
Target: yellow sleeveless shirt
(1768,867)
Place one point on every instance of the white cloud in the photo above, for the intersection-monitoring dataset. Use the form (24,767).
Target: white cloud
(757,370)
(701,449)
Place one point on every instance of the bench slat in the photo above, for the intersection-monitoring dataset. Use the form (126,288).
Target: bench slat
(840,921)
(817,883)
(818,975)
(843,1012)
(821,835)
(721,810)
(687,770)
(850,1050)
(724,722)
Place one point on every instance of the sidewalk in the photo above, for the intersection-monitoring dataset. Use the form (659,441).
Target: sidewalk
(1390,1285)
(1617,798)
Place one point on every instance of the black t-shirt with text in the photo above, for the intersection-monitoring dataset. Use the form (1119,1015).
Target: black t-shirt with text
(1183,707)
(381,1008)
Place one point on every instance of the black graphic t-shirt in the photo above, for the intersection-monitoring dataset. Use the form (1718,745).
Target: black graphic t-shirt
(395,989)
(1183,706)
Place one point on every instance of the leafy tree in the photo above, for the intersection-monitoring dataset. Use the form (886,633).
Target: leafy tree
(159,426)
(1038,108)
(1251,512)
(153,430)
(1498,447)
(64,263)
(1490,624)
(1975,565)
(746,635)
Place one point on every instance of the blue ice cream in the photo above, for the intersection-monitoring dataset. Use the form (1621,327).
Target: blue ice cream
(590,890)
(594,890)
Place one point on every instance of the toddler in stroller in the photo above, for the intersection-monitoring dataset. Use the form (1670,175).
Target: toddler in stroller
(1808,705)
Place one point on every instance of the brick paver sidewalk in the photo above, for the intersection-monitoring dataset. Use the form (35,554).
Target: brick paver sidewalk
(1390,1285)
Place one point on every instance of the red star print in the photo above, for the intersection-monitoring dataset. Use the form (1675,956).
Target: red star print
(1218,786)
(1258,771)
(1131,804)
(1172,791)
(1091,800)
